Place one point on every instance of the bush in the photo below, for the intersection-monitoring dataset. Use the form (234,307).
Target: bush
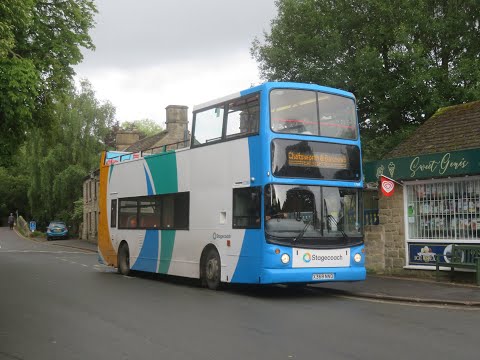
(37,234)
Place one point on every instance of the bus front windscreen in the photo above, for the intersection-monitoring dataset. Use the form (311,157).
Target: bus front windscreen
(312,113)
(313,216)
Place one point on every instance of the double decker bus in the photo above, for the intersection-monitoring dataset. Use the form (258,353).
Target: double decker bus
(267,191)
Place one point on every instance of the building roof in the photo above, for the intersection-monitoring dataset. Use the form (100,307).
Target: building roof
(449,129)
(147,142)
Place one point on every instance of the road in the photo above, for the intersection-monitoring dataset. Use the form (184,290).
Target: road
(58,303)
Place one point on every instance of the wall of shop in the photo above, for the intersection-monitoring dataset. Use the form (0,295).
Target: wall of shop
(385,242)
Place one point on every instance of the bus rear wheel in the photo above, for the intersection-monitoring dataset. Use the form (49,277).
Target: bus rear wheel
(124,259)
(211,272)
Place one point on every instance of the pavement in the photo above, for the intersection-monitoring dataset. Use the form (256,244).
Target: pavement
(387,288)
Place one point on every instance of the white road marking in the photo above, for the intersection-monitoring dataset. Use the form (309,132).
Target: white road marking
(393,302)
(44,252)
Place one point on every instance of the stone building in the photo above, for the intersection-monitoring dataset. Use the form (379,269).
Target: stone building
(175,136)
(436,202)
(125,138)
(89,226)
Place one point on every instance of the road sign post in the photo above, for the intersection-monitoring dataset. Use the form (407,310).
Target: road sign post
(33,226)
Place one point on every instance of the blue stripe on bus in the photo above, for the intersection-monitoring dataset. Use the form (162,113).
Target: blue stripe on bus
(149,184)
(249,266)
(147,259)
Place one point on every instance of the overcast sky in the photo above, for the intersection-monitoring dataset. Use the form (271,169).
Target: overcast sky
(154,53)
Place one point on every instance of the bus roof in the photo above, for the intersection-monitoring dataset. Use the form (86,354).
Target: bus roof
(274,85)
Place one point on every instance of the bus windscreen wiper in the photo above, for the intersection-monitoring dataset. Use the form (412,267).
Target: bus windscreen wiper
(345,236)
(301,233)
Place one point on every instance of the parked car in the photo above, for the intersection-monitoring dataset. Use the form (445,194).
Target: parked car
(57,230)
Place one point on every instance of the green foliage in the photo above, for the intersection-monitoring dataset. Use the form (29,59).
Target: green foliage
(38,234)
(146,126)
(59,159)
(13,192)
(15,16)
(18,90)
(77,216)
(40,40)
(402,59)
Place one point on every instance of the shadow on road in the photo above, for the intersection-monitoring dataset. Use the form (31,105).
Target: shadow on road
(278,291)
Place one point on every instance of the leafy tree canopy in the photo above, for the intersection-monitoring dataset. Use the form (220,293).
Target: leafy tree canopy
(402,59)
(60,157)
(40,40)
(146,126)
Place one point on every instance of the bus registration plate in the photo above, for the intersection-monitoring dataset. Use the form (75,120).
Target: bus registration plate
(328,276)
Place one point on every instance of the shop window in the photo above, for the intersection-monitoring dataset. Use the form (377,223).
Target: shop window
(246,208)
(447,210)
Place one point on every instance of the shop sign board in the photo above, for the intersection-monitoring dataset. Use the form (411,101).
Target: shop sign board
(454,163)
(425,253)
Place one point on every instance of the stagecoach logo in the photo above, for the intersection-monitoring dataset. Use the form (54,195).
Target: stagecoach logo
(221,236)
(307,257)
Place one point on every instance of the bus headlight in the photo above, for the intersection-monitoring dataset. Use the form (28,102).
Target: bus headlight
(357,257)
(285,258)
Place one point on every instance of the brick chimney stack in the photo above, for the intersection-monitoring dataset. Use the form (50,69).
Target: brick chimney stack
(177,122)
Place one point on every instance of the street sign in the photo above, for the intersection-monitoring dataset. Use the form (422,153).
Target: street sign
(33,226)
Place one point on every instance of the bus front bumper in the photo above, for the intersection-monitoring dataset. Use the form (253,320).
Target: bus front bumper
(312,275)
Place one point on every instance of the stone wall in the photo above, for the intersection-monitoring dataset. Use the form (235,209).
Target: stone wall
(385,243)
(391,215)
(125,138)
(375,248)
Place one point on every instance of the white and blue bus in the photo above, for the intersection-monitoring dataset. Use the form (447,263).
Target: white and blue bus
(267,191)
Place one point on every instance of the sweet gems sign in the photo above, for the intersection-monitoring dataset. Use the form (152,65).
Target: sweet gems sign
(454,163)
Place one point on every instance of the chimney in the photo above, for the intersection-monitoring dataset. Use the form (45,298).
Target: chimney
(177,122)
(125,138)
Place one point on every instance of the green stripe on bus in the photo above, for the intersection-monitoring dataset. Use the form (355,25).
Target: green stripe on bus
(164,173)
(166,250)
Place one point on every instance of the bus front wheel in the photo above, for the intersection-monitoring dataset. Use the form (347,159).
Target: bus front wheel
(124,259)
(211,272)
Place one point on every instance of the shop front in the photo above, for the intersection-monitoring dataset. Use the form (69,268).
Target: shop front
(439,203)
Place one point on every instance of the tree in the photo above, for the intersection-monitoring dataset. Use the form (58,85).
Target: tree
(146,126)
(13,192)
(402,59)
(58,158)
(40,40)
